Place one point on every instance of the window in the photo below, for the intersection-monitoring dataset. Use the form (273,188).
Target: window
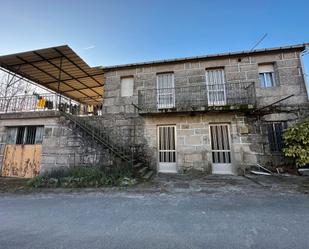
(127,85)
(165,90)
(215,81)
(25,135)
(275,131)
(266,73)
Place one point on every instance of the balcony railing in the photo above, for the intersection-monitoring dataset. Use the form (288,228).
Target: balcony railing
(199,97)
(37,102)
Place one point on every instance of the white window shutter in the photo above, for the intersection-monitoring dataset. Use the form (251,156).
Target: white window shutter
(127,85)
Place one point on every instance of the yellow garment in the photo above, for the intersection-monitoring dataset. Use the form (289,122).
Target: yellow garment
(41,103)
(90,108)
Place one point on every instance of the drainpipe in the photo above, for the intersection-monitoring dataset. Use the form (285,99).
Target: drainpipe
(303,68)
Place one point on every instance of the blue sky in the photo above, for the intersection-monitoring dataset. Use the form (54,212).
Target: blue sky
(117,32)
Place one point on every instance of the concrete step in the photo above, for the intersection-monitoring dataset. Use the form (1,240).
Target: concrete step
(148,175)
(142,171)
(137,165)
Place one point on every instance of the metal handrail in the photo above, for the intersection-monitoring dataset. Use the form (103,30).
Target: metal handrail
(197,95)
(26,103)
(97,135)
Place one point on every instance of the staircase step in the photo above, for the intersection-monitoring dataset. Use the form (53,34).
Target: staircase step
(137,165)
(148,175)
(142,171)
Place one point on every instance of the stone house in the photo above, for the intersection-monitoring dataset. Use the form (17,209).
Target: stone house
(218,113)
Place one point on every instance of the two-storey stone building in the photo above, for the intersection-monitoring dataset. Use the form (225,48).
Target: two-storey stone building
(218,113)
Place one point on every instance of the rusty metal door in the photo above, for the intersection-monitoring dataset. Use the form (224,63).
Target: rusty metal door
(22,160)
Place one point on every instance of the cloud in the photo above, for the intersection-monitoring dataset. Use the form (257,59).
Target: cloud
(90,47)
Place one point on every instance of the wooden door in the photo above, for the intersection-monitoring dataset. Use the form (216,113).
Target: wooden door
(22,160)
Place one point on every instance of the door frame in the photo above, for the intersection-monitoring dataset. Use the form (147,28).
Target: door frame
(232,171)
(158,146)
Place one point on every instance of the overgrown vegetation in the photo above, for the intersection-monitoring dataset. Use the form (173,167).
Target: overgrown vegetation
(296,140)
(84,176)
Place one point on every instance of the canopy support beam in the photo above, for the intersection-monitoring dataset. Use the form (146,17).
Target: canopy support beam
(59,81)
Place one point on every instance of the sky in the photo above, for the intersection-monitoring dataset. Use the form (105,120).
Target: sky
(126,31)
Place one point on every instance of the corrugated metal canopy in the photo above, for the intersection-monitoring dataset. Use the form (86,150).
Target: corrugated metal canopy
(59,69)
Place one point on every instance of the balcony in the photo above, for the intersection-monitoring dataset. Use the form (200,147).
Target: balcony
(201,97)
(37,103)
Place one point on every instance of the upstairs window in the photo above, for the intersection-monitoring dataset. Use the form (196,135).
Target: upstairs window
(266,73)
(127,85)
(165,90)
(275,131)
(25,135)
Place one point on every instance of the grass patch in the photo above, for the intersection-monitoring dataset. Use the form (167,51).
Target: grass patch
(84,176)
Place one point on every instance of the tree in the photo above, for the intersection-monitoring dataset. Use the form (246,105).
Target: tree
(12,86)
(296,140)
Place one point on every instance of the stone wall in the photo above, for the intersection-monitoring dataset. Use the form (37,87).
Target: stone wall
(258,134)
(193,139)
(63,145)
(249,138)
(242,68)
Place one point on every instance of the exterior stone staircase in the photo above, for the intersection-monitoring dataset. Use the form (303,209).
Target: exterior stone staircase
(126,153)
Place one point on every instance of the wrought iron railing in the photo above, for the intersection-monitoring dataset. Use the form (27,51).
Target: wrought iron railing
(37,102)
(197,97)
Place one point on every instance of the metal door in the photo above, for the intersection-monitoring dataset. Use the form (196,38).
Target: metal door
(167,149)
(216,90)
(221,149)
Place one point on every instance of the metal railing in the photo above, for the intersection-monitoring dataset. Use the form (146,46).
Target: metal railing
(196,97)
(37,102)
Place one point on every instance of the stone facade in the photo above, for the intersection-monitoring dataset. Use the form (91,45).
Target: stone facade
(248,137)
(62,145)
(242,68)
(193,139)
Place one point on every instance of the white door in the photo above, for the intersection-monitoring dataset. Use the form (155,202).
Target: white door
(221,149)
(165,91)
(167,149)
(215,83)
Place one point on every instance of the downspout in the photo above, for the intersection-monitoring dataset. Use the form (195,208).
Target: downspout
(303,68)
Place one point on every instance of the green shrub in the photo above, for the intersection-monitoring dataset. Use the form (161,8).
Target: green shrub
(36,182)
(296,140)
(82,176)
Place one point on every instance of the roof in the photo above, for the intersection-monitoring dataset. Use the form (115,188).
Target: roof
(228,54)
(46,66)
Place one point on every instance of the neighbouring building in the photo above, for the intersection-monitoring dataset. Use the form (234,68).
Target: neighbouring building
(218,113)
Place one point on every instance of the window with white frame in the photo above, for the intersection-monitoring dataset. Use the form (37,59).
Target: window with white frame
(25,135)
(267,76)
(165,90)
(127,86)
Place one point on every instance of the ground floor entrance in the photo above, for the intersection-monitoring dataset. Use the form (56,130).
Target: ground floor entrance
(221,149)
(167,149)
